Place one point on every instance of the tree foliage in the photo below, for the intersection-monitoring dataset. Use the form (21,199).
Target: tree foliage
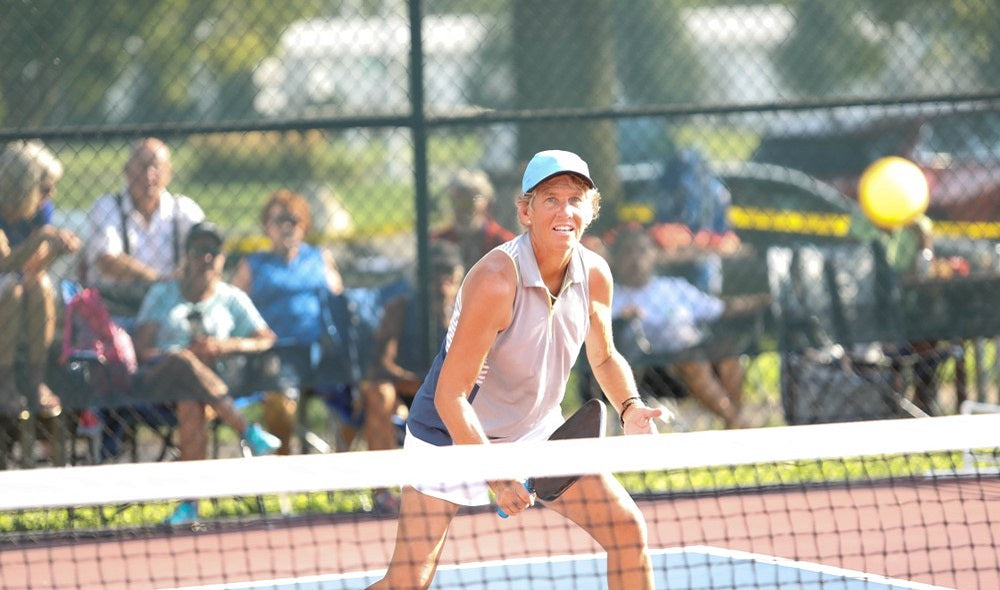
(844,57)
(86,61)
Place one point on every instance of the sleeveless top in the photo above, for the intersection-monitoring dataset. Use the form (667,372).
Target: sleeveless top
(289,293)
(524,378)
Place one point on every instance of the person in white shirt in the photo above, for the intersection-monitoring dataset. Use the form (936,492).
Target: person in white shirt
(664,315)
(137,233)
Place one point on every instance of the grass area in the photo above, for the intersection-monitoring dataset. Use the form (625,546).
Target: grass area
(792,473)
(375,207)
(232,174)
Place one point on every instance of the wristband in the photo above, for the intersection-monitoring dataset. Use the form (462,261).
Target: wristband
(628,403)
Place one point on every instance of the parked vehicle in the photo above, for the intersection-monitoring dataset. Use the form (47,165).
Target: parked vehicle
(959,152)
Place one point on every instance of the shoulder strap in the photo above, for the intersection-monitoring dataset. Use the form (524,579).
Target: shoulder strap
(177,230)
(120,200)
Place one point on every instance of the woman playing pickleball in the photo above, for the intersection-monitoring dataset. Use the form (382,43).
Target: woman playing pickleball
(521,316)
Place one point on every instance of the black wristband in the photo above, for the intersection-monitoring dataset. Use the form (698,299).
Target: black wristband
(628,403)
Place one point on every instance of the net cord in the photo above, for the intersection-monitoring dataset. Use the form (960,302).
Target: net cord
(135,482)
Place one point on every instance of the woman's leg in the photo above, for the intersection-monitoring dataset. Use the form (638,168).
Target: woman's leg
(11,314)
(700,378)
(39,317)
(192,429)
(602,507)
(731,375)
(39,327)
(182,375)
(380,404)
(420,535)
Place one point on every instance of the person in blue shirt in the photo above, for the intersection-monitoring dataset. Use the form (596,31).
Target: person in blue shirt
(29,244)
(289,284)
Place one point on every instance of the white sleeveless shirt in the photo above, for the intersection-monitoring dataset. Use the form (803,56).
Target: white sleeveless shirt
(523,381)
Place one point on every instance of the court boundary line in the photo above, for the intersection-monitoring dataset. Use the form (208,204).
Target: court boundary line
(707,550)
(812,566)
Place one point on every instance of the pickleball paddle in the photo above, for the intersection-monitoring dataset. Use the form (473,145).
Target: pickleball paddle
(586,422)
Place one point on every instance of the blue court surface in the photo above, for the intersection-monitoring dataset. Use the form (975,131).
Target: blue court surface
(690,568)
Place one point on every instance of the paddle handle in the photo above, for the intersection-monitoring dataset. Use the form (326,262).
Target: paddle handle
(527,486)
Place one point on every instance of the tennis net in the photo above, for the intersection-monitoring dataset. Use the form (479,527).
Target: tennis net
(891,504)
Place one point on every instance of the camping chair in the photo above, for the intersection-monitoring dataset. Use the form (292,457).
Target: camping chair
(836,310)
(351,321)
(111,421)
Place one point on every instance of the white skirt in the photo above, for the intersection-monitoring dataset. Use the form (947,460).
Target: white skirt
(472,493)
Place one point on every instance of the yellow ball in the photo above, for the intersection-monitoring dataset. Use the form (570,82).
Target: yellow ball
(893,192)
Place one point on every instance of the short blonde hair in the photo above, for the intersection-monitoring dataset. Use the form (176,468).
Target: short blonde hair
(590,192)
(24,167)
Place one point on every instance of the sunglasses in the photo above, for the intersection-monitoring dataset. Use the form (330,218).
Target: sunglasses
(283,219)
(205,250)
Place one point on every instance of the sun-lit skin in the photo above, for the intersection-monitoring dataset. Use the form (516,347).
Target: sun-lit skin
(148,172)
(556,213)
(286,231)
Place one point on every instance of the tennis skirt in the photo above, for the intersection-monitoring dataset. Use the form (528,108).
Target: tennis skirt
(473,493)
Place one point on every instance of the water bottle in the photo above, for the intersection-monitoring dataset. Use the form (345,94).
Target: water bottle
(925,261)
(197,325)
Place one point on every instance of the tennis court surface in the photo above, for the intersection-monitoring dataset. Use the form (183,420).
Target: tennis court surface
(897,504)
(689,567)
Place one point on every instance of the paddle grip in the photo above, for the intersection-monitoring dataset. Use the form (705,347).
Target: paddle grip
(527,486)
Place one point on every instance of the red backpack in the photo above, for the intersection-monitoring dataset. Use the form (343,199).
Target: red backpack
(91,334)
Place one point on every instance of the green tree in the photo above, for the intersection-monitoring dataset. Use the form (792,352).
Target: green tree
(564,59)
(61,58)
(977,22)
(655,60)
(826,52)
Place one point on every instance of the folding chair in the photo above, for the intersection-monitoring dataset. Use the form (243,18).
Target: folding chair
(836,308)
(351,321)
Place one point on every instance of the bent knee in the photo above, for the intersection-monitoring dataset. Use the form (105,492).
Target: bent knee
(625,533)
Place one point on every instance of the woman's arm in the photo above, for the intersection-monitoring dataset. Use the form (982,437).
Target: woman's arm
(610,368)
(387,342)
(243,277)
(145,342)
(333,279)
(487,296)
(34,254)
(210,348)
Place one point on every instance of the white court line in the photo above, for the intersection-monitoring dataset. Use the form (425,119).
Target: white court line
(689,550)
(809,567)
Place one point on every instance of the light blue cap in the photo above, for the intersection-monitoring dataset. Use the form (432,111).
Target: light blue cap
(546,164)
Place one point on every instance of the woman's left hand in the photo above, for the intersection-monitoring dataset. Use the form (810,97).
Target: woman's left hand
(638,419)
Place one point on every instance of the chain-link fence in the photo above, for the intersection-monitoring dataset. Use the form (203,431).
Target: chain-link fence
(734,133)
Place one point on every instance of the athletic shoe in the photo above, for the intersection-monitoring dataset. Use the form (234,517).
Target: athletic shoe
(261,441)
(185,513)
